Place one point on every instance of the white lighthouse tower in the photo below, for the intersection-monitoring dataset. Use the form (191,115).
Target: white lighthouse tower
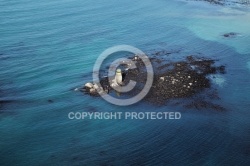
(118,76)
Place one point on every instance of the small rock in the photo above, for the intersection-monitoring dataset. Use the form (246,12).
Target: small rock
(88,85)
(92,90)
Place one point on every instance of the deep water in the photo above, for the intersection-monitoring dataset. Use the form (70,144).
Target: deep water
(48,48)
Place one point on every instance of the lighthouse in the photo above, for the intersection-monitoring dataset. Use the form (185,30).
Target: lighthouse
(118,76)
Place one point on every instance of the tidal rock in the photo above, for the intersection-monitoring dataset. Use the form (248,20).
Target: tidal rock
(230,34)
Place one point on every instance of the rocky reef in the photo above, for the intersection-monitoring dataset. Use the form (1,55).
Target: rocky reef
(173,80)
(185,79)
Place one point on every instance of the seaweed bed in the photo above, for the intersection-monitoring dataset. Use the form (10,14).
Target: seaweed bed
(183,79)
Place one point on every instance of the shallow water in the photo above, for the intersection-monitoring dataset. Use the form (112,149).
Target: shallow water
(48,48)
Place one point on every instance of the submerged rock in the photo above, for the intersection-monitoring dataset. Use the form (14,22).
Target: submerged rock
(50,101)
(4,102)
(202,104)
(231,34)
(226,2)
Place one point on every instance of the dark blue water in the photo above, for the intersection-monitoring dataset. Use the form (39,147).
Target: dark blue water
(47,48)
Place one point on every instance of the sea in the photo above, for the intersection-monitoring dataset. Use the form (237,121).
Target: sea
(48,48)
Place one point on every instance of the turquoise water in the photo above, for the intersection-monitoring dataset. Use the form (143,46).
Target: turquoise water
(48,48)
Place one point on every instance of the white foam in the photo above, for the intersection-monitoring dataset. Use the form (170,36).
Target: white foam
(218,79)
